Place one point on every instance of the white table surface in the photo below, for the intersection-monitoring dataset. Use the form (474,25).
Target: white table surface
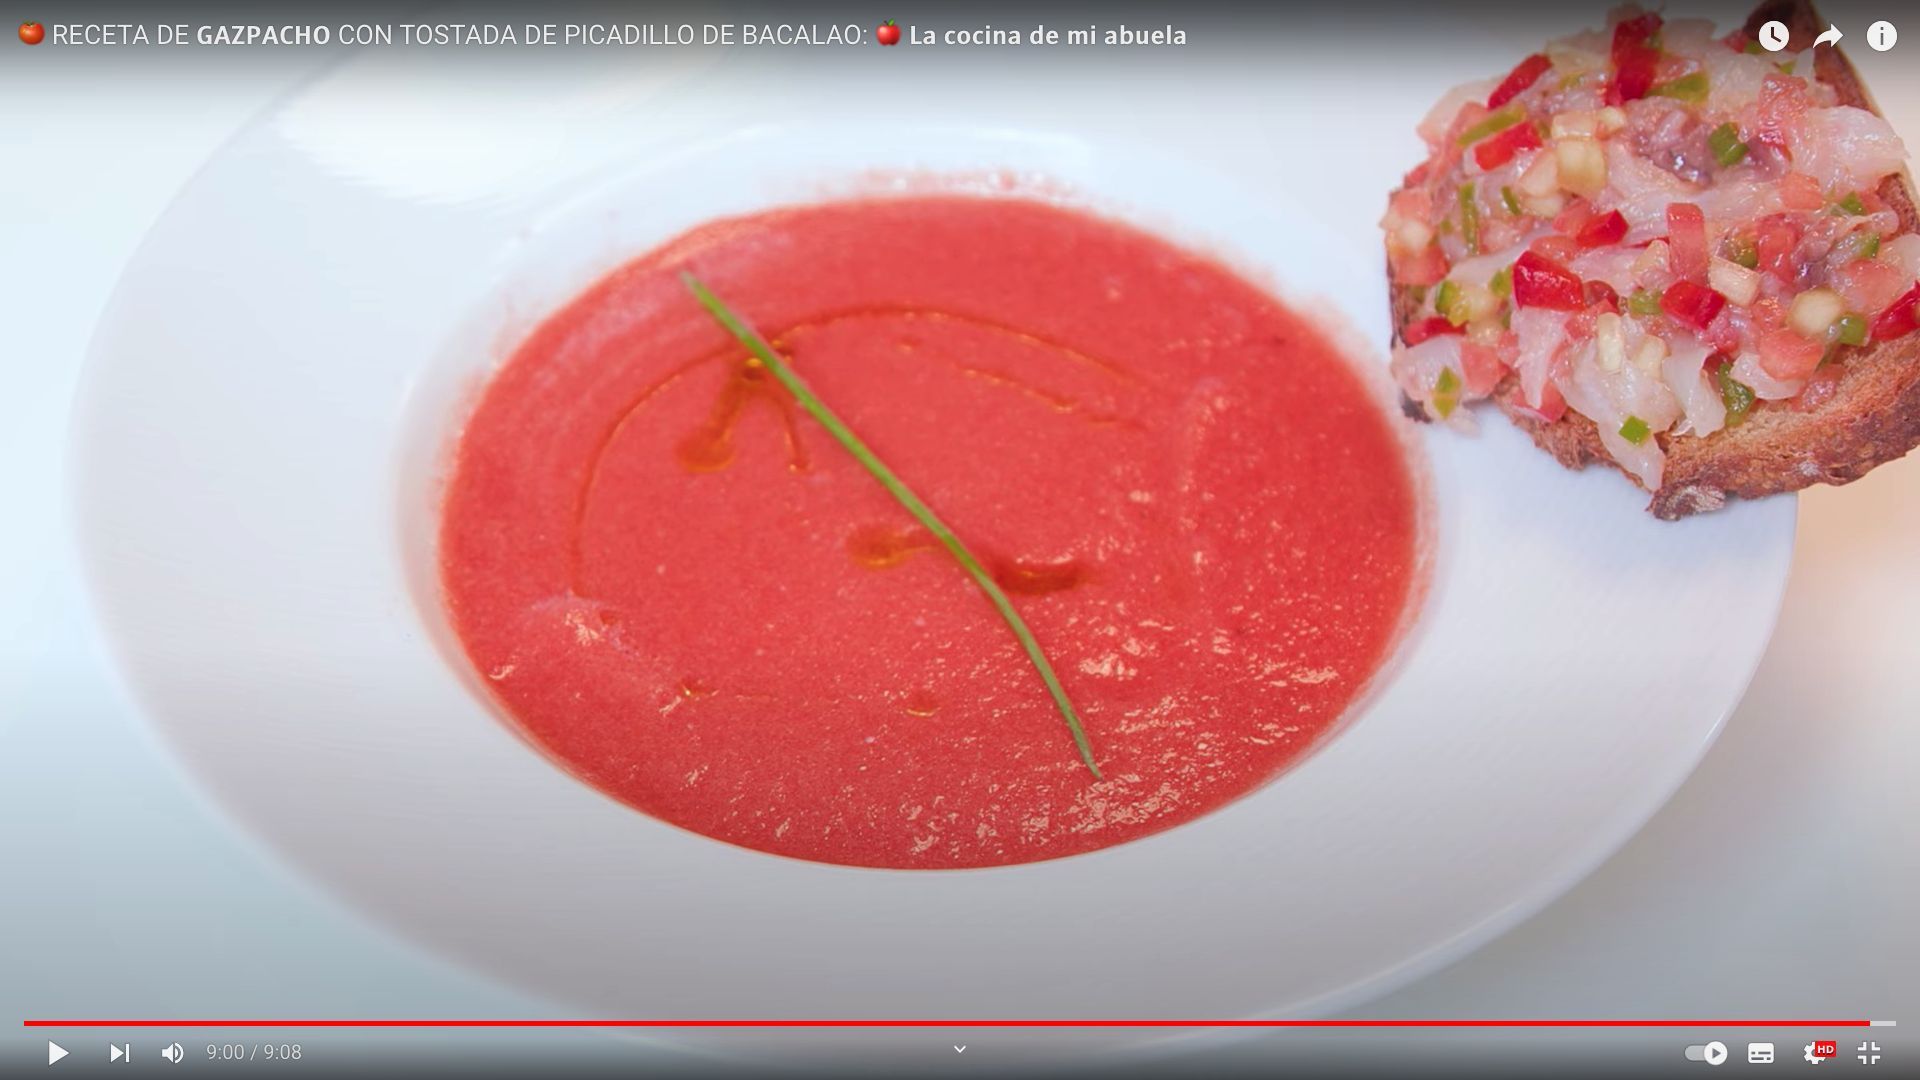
(1779,882)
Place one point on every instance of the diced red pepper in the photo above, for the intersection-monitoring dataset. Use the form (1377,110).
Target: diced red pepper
(1599,294)
(1493,152)
(1786,355)
(1542,283)
(1900,318)
(1524,75)
(1695,305)
(1433,326)
(1634,59)
(1609,228)
(1687,241)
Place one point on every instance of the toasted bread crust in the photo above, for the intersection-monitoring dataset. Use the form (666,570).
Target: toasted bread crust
(1871,417)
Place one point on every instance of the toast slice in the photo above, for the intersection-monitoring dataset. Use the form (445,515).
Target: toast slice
(1871,416)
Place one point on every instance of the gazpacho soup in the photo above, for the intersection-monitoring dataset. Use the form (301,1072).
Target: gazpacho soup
(681,587)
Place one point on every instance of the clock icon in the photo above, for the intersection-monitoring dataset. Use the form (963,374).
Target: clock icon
(1773,36)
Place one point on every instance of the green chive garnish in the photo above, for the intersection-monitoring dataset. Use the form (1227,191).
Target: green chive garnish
(755,344)
(1644,301)
(1850,205)
(1509,200)
(1501,284)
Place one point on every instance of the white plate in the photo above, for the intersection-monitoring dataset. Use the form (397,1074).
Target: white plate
(257,443)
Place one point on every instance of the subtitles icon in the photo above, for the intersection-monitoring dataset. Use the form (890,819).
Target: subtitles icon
(1759,1053)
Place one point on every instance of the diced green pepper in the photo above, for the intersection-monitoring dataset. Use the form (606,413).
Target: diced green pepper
(1752,48)
(1634,430)
(1510,200)
(1501,283)
(1864,244)
(1644,302)
(1469,218)
(1446,392)
(1850,205)
(1447,300)
(1725,143)
(1734,394)
(1850,329)
(1688,88)
(1494,124)
(1744,251)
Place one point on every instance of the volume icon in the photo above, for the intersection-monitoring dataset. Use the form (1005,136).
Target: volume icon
(173,1053)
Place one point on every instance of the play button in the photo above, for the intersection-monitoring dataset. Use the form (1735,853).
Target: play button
(55,1051)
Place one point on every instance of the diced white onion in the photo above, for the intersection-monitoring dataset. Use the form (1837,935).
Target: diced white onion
(1815,310)
(1583,165)
(1733,281)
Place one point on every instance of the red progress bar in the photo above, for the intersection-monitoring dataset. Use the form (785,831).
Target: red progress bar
(944,1023)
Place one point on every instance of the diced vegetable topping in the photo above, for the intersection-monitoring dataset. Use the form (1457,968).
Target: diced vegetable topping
(1734,394)
(1493,124)
(1724,142)
(1900,318)
(1523,76)
(1469,219)
(1777,255)
(1417,332)
(1446,392)
(1540,282)
(1601,231)
(1496,151)
(1689,88)
(1692,304)
(1634,59)
(1687,240)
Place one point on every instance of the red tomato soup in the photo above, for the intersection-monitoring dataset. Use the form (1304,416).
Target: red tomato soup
(689,595)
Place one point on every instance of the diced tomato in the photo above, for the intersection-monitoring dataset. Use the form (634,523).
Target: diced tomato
(1524,75)
(1776,238)
(1798,191)
(1900,318)
(1491,153)
(1480,369)
(1870,284)
(1786,355)
(1695,305)
(1425,267)
(1609,228)
(1416,175)
(1542,283)
(1415,333)
(1560,249)
(1634,59)
(1687,241)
